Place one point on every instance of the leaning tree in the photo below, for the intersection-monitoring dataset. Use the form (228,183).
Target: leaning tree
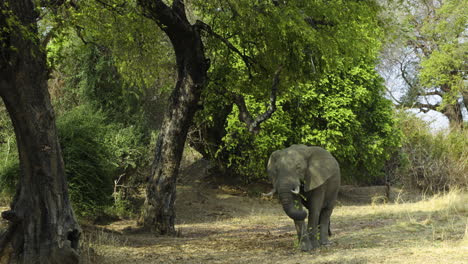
(158,214)
(192,66)
(42,227)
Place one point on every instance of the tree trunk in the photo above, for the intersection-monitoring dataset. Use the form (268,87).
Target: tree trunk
(42,226)
(454,114)
(158,213)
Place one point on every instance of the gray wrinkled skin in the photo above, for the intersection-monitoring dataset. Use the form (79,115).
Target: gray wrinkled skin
(316,173)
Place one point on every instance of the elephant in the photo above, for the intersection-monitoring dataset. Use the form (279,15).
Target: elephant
(306,176)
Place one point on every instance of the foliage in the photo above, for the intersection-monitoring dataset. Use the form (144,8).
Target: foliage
(88,75)
(329,95)
(446,64)
(95,152)
(346,115)
(109,55)
(140,52)
(427,48)
(88,163)
(432,161)
(8,155)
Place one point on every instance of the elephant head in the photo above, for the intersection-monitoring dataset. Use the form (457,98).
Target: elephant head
(287,188)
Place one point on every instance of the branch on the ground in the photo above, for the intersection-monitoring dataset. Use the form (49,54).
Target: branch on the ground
(253,125)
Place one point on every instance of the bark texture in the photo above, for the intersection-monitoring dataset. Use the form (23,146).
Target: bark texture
(42,226)
(159,214)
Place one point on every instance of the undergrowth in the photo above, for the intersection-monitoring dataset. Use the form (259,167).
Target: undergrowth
(431,162)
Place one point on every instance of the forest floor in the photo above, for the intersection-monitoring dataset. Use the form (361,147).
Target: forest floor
(222,224)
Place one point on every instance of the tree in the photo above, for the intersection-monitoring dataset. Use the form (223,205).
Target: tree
(192,67)
(330,95)
(158,213)
(42,226)
(428,51)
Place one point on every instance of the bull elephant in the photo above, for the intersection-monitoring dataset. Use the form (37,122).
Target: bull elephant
(310,177)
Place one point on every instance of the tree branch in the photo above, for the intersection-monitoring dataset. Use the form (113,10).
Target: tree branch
(247,60)
(253,125)
(178,6)
(426,107)
(431,93)
(404,74)
(398,102)
(314,23)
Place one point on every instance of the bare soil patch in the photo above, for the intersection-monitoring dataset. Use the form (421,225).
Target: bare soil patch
(225,225)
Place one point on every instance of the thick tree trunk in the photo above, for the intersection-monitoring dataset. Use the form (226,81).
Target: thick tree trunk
(42,224)
(159,214)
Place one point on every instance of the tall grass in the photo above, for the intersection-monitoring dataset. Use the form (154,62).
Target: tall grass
(429,161)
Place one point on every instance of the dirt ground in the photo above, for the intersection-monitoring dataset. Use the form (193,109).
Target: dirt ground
(222,224)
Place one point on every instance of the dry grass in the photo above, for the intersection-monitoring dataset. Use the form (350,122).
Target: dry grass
(225,226)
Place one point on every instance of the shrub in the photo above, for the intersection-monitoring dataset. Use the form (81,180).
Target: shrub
(9,172)
(430,161)
(8,155)
(94,152)
(343,112)
(88,159)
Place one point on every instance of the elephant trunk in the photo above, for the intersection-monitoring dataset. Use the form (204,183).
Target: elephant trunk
(287,201)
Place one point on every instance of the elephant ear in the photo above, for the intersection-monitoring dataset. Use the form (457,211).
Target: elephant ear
(318,171)
(272,170)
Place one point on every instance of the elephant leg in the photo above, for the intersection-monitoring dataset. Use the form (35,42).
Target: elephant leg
(315,204)
(325,225)
(303,236)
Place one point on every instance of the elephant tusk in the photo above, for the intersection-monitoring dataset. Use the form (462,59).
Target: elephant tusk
(295,190)
(269,194)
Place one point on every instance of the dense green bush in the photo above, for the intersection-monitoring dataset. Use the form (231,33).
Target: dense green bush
(344,112)
(88,158)
(95,153)
(431,161)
